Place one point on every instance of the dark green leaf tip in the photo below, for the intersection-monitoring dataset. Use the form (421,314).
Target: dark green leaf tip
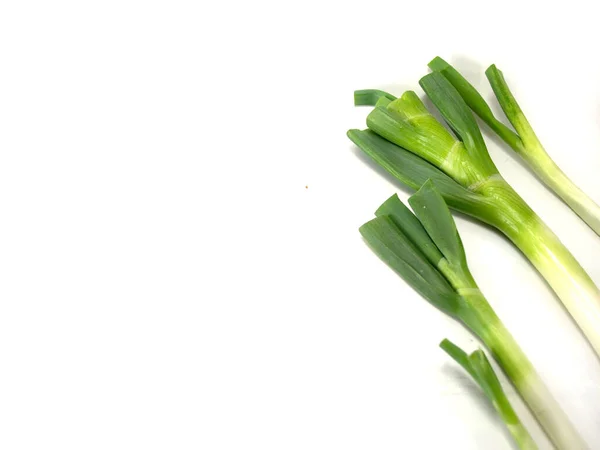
(451,348)
(437,64)
(491,69)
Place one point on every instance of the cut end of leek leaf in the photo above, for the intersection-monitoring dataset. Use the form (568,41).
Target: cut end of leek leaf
(437,64)
(493,71)
(457,354)
(369,97)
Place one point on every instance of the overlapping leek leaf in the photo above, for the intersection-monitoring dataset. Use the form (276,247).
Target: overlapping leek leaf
(400,253)
(425,249)
(480,369)
(524,141)
(414,171)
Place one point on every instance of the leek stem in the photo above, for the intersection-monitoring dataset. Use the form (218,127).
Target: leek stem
(484,322)
(532,389)
(520,371)
(508,212)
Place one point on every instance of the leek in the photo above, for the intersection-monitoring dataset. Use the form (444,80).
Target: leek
(425,249)
(478,366)
(406,140)
(524,142)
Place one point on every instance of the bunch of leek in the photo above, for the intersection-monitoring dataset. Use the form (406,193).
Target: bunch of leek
(425,249)
(524,142)
(405,139)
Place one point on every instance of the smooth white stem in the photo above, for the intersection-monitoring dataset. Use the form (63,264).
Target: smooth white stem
(532,389)
(549,413)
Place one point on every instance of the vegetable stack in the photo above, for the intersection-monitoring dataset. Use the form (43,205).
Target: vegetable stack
(410,143)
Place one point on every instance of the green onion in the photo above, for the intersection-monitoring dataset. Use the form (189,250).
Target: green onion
(524,141)
(479,367)
(425,249)
(416,149)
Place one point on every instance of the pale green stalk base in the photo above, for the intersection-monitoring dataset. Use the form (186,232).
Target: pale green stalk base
(484,322)
(510,214)
(532,389)
(547,171)
(567,278)
(522,437)
(549,413)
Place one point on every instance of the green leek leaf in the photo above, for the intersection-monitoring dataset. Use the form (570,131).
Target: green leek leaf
(398,252)
(511,108)
(434,215)
(369,97)
(458,115)
(474,100)
(409,105)
(410,226)
(524,141)
(480,369)
(414,171)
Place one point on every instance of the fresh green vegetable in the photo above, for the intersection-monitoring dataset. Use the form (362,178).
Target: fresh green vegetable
(478,366)
(413,146)
(425,249)
(524,141)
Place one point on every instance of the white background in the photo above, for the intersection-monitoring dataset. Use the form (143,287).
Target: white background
(180,266)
